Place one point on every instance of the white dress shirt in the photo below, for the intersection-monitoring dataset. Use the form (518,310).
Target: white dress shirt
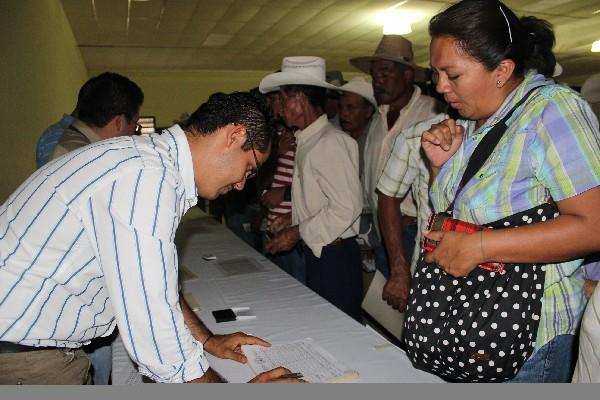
(86,243)
(326,193)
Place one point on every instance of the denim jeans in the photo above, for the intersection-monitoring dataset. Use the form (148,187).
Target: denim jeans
(553,363)
(100,354)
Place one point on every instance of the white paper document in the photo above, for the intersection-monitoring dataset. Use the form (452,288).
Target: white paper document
(304,356)
(380,310)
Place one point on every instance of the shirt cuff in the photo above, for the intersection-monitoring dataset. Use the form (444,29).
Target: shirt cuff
(195,366)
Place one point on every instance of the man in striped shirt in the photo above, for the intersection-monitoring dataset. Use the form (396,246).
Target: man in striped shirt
(108,105)
(87,243)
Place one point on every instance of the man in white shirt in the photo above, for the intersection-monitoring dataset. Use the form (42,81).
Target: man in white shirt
(401,105)
(326,194)
(87,243)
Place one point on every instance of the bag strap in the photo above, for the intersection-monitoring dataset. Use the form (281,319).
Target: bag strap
(485,148)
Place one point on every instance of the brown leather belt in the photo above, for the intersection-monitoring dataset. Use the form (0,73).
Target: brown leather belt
(9,347)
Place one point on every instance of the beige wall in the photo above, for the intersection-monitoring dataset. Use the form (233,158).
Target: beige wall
(40,74)
(42,71)
(168,94)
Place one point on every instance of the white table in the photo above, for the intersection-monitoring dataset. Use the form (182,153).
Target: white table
(285,309)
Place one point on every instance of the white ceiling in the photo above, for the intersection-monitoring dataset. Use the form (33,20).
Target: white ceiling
(256,34)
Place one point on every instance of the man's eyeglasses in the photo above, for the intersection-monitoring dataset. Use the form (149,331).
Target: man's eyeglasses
(254,171)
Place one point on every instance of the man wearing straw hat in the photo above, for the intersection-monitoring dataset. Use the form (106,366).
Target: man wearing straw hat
(326,192)
(401,105)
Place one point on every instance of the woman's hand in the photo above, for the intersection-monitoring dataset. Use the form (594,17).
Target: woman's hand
(441,141)
(457,253)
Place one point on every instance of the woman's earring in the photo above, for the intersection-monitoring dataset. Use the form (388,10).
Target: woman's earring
(498,83)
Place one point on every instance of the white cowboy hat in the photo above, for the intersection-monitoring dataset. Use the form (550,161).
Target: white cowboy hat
(301,70)
(392,48)
(361,86)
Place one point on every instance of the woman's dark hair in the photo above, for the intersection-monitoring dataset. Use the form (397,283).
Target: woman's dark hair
(237,108)
(490,32)
(316,95)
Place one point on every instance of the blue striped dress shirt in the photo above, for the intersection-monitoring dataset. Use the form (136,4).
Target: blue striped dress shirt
(87,243)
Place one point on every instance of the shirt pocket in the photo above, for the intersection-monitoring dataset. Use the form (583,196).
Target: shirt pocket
(484,199)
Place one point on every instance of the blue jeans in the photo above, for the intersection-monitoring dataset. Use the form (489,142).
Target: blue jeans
(553,363)
(99,352)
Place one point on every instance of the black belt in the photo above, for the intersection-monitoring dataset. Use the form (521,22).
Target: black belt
(9,347)
(335,242)
(340,240)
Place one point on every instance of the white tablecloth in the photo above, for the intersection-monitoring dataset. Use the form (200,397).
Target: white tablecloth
(285,309)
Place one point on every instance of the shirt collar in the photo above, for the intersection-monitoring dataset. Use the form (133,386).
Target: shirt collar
(85,130)
(531,80)
(180,152)
(384,108)
(306,133)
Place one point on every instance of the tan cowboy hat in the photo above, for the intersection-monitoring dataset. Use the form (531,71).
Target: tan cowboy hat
(361,86)
(393,48)
(301,70)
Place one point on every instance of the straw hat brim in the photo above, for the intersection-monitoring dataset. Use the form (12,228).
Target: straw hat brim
(274,81)
(364,64)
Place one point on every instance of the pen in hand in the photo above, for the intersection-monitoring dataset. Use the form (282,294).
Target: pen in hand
(293,375)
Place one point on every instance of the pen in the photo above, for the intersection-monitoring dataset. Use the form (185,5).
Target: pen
(296,375)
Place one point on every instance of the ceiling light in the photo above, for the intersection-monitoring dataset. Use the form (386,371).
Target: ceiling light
(396,23)
(596,46)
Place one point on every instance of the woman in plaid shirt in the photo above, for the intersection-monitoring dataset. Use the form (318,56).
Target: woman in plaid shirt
(485,60)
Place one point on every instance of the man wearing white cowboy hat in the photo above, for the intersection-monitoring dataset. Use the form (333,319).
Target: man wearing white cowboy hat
(326,192)
(357,107)
(401,105)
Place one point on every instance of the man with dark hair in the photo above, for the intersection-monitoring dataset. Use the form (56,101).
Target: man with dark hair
(326,194)
(108,106)
(87,244)
(51,136)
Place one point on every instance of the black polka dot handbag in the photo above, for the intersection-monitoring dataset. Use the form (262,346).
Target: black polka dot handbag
(482,327)
(478,328)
